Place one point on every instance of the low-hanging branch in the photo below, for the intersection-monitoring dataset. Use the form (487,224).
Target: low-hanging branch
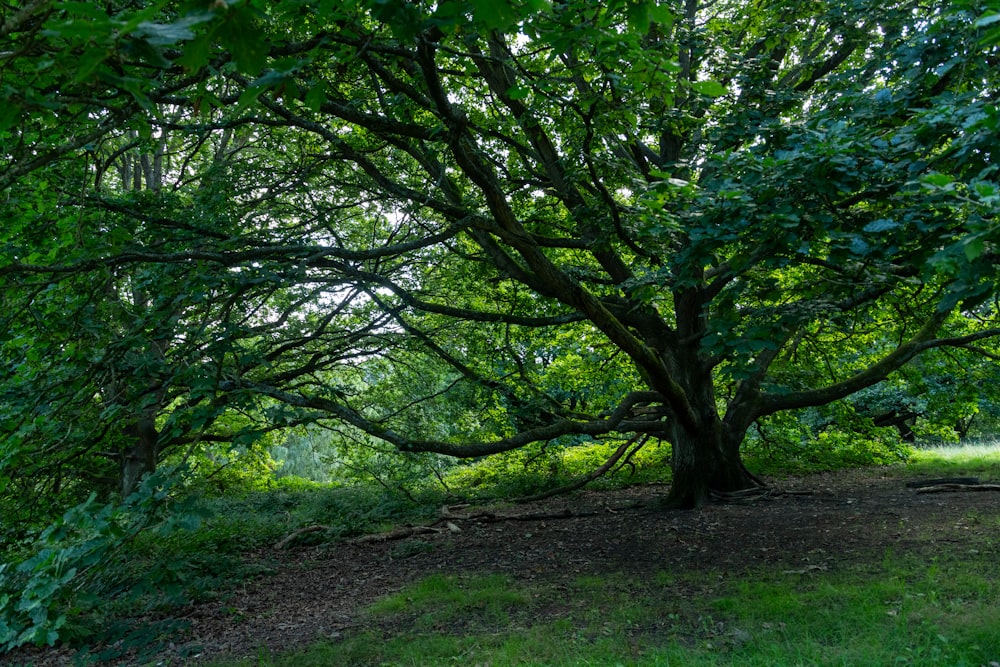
(617,421)
(308,254)
(625,448)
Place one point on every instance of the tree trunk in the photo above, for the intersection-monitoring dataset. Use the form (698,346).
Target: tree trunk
(705,461)
(140,457)
(705,450)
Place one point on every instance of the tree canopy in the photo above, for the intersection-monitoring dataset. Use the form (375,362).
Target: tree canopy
(465,227)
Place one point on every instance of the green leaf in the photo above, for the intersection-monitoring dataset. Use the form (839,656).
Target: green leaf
(197,52)
(169,34)
(315,97)
(937,180)
(709,88)
(249,96)
(518,92)
(145,51)
(495,14)
(859,246)
(639,17)
(974,247)
(89,61)
(989,19)
(241,35)
(881,225)
(9,113)
(91,10)
(986,190)
(663,15)
(538,5)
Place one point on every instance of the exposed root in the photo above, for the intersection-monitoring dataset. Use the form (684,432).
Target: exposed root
(753,495)
(743,496)
(945,484)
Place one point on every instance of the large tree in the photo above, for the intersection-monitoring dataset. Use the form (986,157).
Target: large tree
(590,219)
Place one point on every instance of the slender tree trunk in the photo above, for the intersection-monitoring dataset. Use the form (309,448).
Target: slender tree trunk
(140,457)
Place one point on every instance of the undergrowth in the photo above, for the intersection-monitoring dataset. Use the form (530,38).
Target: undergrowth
(205,545)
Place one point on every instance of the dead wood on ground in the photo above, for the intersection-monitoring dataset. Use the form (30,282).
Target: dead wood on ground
(943,488)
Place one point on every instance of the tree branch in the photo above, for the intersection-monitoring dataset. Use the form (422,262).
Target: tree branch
(617,421)
(923,340)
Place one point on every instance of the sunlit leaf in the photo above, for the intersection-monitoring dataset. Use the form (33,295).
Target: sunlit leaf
(710,88)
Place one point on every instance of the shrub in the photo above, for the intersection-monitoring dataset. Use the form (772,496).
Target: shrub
(56,587)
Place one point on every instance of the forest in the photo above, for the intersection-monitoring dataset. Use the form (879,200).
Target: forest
(382,263)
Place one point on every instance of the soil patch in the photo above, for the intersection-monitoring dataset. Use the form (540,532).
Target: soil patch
(824,521)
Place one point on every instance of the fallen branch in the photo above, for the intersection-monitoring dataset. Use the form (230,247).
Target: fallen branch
(744,496)
(537,516)
(449,516)
(943,488)
(443,525)
(940,481)
(296,533)
(398,534)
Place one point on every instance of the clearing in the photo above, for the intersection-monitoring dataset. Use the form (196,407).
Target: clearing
(822,523)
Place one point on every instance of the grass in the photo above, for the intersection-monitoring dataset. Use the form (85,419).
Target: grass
(888,610)
(448,602)
(980,459)
(904,612)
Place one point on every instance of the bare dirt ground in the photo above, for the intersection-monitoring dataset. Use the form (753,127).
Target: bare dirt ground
(825,521)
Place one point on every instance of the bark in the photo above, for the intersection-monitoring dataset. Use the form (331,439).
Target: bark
(140,457)
(705,450)
(705,461)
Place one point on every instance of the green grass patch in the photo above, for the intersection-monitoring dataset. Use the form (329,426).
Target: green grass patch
(979,459)
(908,613)
(448,603)
(899,611)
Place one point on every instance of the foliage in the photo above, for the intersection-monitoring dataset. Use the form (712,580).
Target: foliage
(460,229)
(231,470)
(55,587)
(533,470)
(819,440)
(305,453)
(639,220)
